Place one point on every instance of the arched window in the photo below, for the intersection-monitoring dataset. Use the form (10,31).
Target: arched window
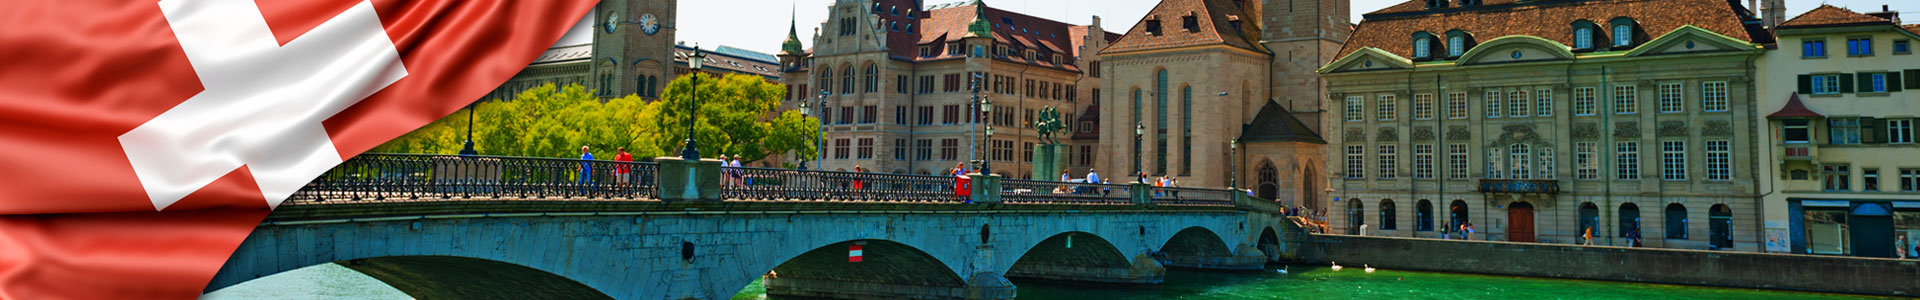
(872,78)
(1589,221)
(1356,215)
(1518,155)
(846,79)
(1423,215)
(1720,222)
(1186,130)
(1583,38)
(652,86)
(1458,214)
(1458,41)
(1629,220)
(1269,181)
(1387,220)
(1160,95)
(826,79)
(1676,221)
(1623,29)
(1423,43)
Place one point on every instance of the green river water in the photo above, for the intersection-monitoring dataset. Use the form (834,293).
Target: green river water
(1319,282)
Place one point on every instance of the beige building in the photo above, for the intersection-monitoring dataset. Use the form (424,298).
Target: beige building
(1543,121)
(1221,92)
(1841,175)
(895,85)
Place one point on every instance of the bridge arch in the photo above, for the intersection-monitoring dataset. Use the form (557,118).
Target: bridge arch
(1084,256)
(824,270)
(458,277)
(1269,244)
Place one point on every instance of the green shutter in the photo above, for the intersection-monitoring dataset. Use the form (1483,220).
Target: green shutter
(1913,79)
(1872,130)
(1846,83)
(1864,83)
(1893,81)
(1806,84)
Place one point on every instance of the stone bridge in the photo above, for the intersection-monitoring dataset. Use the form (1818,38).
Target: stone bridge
(710,250)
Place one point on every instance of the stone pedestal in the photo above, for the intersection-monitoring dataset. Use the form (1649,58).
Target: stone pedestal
(1048,161)
(682,180)
(466,174)
(985,188)
(1142,193)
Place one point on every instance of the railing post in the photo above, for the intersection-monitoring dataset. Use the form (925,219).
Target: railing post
(683,180)
(986,188)
(1142,193)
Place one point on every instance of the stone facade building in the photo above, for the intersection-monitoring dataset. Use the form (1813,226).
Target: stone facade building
(1544,121)
(1839,138)
(631,53)
(894,83)
(1222,93)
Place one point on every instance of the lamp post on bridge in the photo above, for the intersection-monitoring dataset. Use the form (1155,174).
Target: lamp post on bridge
(806,111)
(973,146)
(691,153)
(467,150)
(986,163)
(1139,130)
(819,162)
(1233,162)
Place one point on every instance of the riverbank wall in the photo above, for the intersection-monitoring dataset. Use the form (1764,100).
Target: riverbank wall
(1851,275)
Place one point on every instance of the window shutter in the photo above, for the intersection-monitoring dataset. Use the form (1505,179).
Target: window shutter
(1913,79)
(1846,83)
(1865,82)
(1806,84)
(1893,81)
(1871,130)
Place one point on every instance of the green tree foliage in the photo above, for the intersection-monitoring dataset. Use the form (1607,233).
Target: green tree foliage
(737,116)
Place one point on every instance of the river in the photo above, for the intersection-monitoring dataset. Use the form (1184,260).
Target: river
(1320,282)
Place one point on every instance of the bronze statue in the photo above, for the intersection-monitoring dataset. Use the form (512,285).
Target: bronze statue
(1050,125)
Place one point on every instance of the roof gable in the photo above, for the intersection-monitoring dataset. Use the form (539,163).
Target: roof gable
(1215,20)
(1690,39)
(1367,59)
(1513,49)
(1829,15)
(1275,124)
(1392,29)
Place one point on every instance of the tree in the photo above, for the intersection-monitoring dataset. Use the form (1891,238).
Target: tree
(736,116)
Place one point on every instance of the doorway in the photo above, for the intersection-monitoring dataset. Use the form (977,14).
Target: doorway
(1520,222)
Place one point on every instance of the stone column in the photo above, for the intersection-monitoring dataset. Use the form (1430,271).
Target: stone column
(682,180)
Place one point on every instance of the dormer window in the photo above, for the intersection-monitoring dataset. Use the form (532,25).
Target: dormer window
(1458,42)
(1056,59)
(1424,45)
(1436,4)
(1582,38)
(1190,23)
(1153,27)
(1623,29)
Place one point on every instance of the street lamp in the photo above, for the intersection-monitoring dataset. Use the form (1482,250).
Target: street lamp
(691,153)
(821,161)
(973,147)
(1233,151)
(1139,130)
(986,108)
(468,150)
(806,111)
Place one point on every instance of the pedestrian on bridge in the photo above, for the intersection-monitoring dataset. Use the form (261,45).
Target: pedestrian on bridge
(586,168)
(1093,177)
(622,169)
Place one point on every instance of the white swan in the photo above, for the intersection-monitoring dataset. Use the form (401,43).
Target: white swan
(1283,269)
(1337,267)
(1369,268)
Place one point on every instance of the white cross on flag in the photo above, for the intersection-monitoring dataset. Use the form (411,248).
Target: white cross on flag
(143,140)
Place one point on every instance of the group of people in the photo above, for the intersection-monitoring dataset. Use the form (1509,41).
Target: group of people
(1464,229)
(1903,249)
(622,171)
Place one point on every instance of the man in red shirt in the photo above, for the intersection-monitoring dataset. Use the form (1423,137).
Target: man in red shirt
(620,168)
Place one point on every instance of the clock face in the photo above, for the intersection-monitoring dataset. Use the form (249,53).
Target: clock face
(648,24)
(613,20)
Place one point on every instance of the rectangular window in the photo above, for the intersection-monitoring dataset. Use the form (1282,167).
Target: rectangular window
(1836,178)
(1626,160)
(842,148)
(926,115)
(949,114)
(1457,106)
(1423,107)
(1910,180)
(1356,162)
(900,115)
(866,148)
(926,84)
(1546,163)
(1828,84)
(1795,131)
(1355,109)
(1900,131)
(1026,151)
(1543,105)
(1713,96)
(1859,46)
(950,149)
(1843,131)
(1670,101)
(1870,179)
(1877,83)
(1626,99)
(1517,103)
(1583,99)
(1457,161)
(868,114)
(1673,160)
(1901,47)
(900,84)
(1719,160)
(1423,161)
(1389,159)
(846,115)
(923,149)
(1585,164)
(1813,48)
(1493,104)
(1387,109)
(1495,168)
(899,149)
(1519,162)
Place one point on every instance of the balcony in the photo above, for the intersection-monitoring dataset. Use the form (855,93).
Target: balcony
(1797,151)
(1515,186)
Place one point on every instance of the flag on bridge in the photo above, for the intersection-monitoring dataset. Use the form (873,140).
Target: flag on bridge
(143,140)
(854,253)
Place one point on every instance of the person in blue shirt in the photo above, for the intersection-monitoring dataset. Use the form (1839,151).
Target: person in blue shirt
(586,170)
(1092,177)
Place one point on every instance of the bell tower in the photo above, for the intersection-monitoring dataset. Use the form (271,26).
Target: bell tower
(633,43)
(1303,35)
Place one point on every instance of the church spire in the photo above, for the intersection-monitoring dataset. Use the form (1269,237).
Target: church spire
(792,45)
(980,25)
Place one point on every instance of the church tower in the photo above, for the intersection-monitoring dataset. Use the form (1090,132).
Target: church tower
(633,46)
(1303,35)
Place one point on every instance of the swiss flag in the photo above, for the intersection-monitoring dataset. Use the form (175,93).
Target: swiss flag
(140,141)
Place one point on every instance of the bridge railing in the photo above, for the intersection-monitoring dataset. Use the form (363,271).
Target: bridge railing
(763,184)
(1049,192)
(1191,196)
(425,176)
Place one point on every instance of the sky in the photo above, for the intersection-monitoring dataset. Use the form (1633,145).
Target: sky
(761,25)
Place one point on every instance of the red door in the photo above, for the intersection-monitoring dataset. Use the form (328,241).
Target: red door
(1520,222)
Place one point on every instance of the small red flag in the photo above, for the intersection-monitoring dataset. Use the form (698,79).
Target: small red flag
(854,253)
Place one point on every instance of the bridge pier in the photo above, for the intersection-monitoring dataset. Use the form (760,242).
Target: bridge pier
(982,286)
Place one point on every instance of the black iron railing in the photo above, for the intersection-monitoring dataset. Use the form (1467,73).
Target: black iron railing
(426,177)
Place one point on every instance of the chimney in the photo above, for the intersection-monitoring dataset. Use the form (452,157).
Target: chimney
(1886,13)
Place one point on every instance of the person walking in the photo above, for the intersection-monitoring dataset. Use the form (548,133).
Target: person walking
(623,169)
(586,168)
(739,176)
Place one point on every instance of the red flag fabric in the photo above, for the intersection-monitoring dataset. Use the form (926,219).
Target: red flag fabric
(143,140)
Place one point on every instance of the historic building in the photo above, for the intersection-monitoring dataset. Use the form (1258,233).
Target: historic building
(724,60)
(631,53)
(1542,121)
(1222,92)
(1841,173)
(895,84)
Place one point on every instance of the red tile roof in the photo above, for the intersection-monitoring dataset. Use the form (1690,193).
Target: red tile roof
(1215,19)
(1392,29)
(1794,109)
(948,23)
(1914,28)
(1828,15)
